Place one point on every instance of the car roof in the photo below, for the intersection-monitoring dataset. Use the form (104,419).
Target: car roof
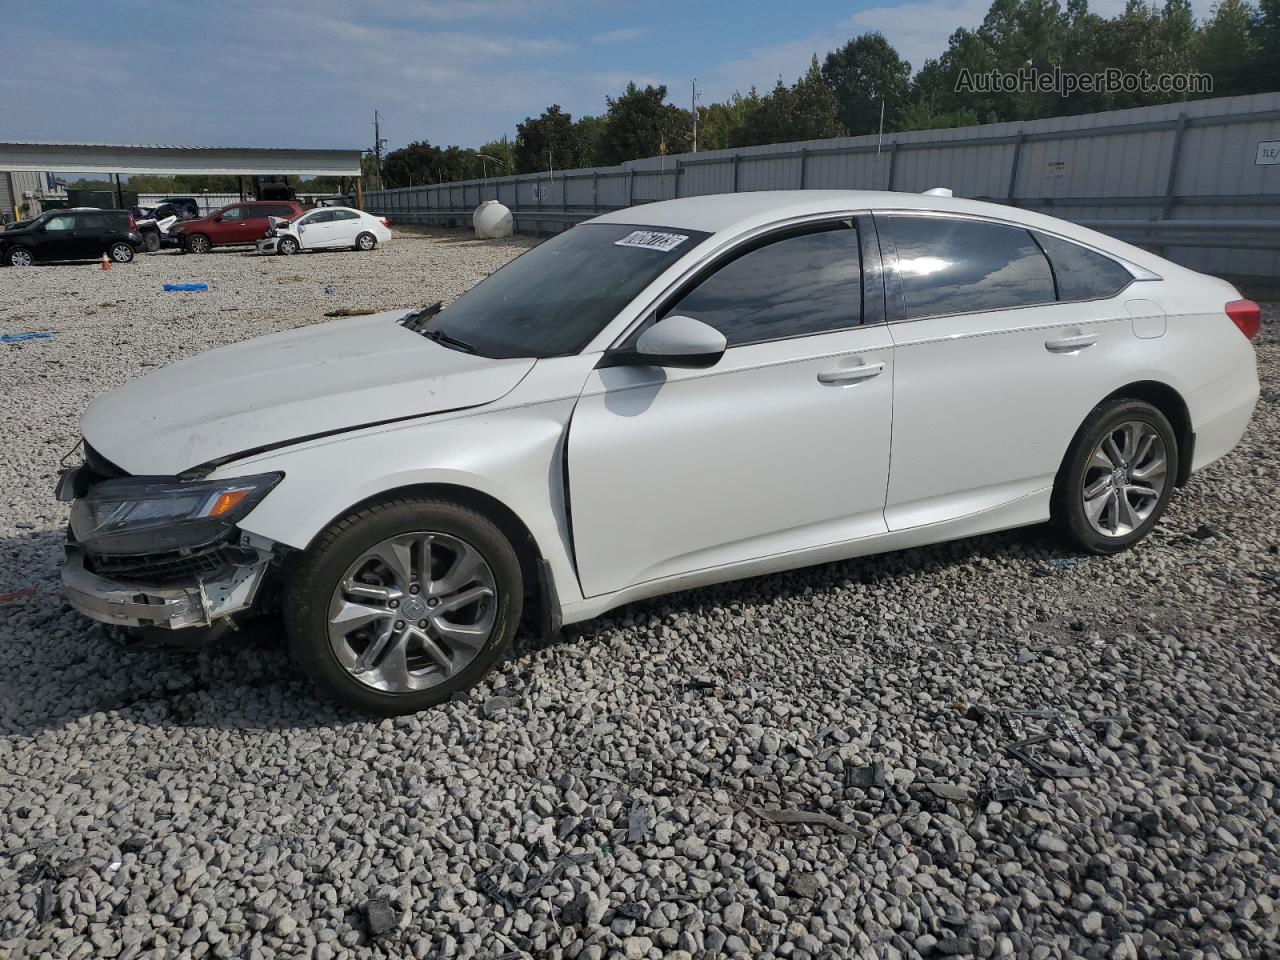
(739,212)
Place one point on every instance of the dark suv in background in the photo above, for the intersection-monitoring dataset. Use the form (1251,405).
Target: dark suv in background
(81,233)
(236,224)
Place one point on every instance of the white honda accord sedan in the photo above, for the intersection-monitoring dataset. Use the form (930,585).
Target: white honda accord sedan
(666,396)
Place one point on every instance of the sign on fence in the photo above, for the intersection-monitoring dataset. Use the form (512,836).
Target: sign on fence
(1268,153)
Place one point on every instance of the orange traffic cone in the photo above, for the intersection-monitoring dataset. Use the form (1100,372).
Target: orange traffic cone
(106,262)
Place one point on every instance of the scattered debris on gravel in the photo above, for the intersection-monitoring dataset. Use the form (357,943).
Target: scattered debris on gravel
(806,765)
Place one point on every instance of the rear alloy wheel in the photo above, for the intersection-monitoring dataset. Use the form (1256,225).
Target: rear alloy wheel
(366,241)
(404,603)
(1118,478)
(121,252)
(198,243)
(19,257)
(287,246)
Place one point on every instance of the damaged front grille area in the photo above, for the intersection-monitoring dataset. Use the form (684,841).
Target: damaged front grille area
(167,567)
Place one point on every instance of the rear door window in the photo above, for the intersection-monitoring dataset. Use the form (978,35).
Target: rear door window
(233,213)
(280,210)
(964,266)
(797,285)
(1083,274)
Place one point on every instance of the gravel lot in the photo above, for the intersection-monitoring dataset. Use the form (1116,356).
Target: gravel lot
(601,794)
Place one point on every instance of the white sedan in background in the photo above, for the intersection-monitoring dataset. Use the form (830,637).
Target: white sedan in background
(326,228)
(663,397)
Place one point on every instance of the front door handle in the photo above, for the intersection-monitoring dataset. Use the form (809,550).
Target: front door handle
(1071,344)
(845,375)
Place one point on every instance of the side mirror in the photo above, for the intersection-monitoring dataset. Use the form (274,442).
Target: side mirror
(678,342)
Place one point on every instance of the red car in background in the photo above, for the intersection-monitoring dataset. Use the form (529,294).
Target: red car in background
(237,224)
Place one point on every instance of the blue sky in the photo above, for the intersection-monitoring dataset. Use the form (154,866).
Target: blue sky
(297,73)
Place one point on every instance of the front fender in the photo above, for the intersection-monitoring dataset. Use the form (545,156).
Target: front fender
(515,456)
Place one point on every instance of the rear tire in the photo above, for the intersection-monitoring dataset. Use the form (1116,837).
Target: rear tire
(198,243)
(1117,477)
(366,241)
(151,241)
(354,621)
(121,252)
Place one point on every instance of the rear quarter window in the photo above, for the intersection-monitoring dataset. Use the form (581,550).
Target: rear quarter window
(1082,274)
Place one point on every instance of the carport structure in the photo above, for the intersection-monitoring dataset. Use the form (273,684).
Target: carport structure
(122,159)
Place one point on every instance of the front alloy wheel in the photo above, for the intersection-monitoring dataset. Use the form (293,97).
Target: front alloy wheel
(19,257)
(412,611)
(403,603)
(287,246)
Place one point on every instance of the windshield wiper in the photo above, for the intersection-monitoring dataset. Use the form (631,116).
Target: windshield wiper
(440,337)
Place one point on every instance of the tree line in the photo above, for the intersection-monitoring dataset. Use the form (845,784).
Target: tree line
(848,93)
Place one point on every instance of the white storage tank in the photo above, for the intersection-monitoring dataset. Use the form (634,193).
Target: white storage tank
(492,220)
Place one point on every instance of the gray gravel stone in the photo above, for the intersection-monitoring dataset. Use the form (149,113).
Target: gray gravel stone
(207,804)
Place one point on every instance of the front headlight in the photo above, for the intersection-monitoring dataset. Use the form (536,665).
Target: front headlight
(142,515)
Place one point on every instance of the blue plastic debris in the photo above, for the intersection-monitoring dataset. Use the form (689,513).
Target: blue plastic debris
(18,337)
(186,288)
(1062,561)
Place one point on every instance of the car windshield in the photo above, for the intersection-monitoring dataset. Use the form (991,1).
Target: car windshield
(552,300)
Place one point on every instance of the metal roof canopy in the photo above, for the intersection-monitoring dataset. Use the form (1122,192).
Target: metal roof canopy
(170,159)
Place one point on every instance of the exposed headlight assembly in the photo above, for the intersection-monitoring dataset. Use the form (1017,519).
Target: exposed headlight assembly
(142,515)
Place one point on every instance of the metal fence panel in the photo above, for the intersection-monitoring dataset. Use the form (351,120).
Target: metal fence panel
(1179,162)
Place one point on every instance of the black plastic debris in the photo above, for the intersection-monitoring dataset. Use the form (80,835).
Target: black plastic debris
(871,775)
(1035,729)
(381,917)
(632,911)
(638,822)
(134,844)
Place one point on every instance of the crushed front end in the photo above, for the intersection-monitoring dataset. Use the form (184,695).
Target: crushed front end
(162,551)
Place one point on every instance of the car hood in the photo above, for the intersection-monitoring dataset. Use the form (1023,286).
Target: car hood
(287,387)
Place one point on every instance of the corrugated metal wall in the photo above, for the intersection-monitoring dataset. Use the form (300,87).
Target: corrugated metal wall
(1180,161)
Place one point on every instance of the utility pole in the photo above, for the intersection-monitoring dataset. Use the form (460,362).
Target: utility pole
(695,114)
(378,144)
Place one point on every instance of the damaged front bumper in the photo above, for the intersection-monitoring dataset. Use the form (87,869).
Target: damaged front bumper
(198,601)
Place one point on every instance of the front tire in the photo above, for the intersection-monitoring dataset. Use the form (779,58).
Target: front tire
(403,603)
(19,257)
(366,241)
(287,246)
(1118,477)
(198,243)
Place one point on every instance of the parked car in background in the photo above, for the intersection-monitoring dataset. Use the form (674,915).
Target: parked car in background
(666,396)
(156,226)
(326,228)
(237,224)
(83,233)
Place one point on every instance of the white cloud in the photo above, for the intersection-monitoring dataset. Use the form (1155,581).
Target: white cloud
(622,35)
(919,30)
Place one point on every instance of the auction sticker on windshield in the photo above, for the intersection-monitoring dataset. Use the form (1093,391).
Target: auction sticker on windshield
(652,240)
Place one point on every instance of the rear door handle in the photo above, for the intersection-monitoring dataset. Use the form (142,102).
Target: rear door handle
(1071,344)
(845,375)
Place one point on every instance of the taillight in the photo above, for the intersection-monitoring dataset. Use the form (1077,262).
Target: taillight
(133,224)
(386,221)
(1246,315)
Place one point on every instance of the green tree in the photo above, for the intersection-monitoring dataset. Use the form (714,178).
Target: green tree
(805,111)
(1266,40)
(864,73)
(1226,48)
(641,123)
(550,141)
